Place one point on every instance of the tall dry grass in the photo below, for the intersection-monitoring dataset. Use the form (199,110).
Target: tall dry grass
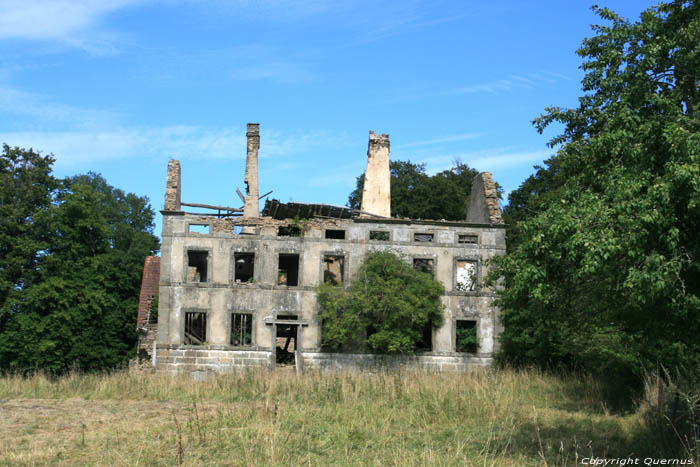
(490,417)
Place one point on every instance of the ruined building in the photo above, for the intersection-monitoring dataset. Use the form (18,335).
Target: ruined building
(237,284)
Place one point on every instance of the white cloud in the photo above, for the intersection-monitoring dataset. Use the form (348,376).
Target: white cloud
(444,139)
(486,160)
(72,22)
(524,81)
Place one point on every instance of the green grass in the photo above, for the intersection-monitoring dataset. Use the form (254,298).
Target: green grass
(491,417)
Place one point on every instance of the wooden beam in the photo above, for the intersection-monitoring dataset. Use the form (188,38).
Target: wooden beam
(209,206)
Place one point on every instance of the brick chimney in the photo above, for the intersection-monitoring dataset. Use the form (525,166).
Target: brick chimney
(376,194)
(251,207)
(149,289)
(172,186)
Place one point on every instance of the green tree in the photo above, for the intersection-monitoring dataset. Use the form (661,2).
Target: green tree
(605,270)
(27,189)
(416,195)
(80,308)
(387,308)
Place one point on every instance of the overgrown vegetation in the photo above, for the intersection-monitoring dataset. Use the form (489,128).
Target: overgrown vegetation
(603,268)
(418,195)
(71,259)
(494,417)
(388,308)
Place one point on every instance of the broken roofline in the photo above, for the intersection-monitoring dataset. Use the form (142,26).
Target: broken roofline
(484,208)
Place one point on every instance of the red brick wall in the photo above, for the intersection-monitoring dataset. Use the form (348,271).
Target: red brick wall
(149,288)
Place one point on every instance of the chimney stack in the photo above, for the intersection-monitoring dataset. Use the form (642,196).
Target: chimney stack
(252,206)
(376,194)
(172,186)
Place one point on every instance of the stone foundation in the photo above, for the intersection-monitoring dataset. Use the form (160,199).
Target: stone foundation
(199,362)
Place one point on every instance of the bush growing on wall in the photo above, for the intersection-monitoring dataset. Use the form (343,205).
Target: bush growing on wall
(386,309)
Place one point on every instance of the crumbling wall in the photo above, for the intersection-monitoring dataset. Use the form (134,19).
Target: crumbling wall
(483,201)
(376,193)
(149,289)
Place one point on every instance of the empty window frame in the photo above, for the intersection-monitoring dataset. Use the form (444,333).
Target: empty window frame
(197,266)
(379,235)
(423,237)
(468,239)
(199,228)
(195,328)
(424,265)
(241,329)
(466,337)
(335,234)
(243,267)
(334,269)
(290,230)
(466,274)
(288,270)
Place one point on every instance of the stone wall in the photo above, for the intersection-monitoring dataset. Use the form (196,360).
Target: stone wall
(195,361)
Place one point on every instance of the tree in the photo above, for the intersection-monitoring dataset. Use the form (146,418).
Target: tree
(605,272)
(388,307)
(416,195)
(27,188)
(79,308)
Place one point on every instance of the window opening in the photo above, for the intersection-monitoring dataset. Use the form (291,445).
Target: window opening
(195,328)
(379,235)
(197,266)
(423,237)
(237,229)
(468,239)
(466,337)
(288,270)
(289,231)
(426,341)
(241,329)
(334,269)
(335,234)
(244,267)
(424,265)
(199,228)
(466,276)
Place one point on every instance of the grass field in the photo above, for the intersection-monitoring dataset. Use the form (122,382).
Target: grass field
(492,417)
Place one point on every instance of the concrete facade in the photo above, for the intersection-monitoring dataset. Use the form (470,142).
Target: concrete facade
(233,289)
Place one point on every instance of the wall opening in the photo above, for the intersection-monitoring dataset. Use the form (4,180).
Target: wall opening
(195,328)
(424,265)
(426,342)
(244,267)
(197,265)
(335,234)
(199,228)
(288,270)
(379,235)
(465,280)
(468,239)
(289,231)
(334,269)
(466,338)
(423,237)
(241,329)
(286,340)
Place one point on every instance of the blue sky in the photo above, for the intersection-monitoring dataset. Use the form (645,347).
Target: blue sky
(120,86)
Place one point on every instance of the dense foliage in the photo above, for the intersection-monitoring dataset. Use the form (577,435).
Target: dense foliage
(603,269)
(71,264)
(417,195)
(388,307)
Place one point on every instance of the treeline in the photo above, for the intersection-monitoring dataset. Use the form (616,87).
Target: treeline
(71,258)
(603,264)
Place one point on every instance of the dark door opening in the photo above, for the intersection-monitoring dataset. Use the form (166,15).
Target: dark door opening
(286,341)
